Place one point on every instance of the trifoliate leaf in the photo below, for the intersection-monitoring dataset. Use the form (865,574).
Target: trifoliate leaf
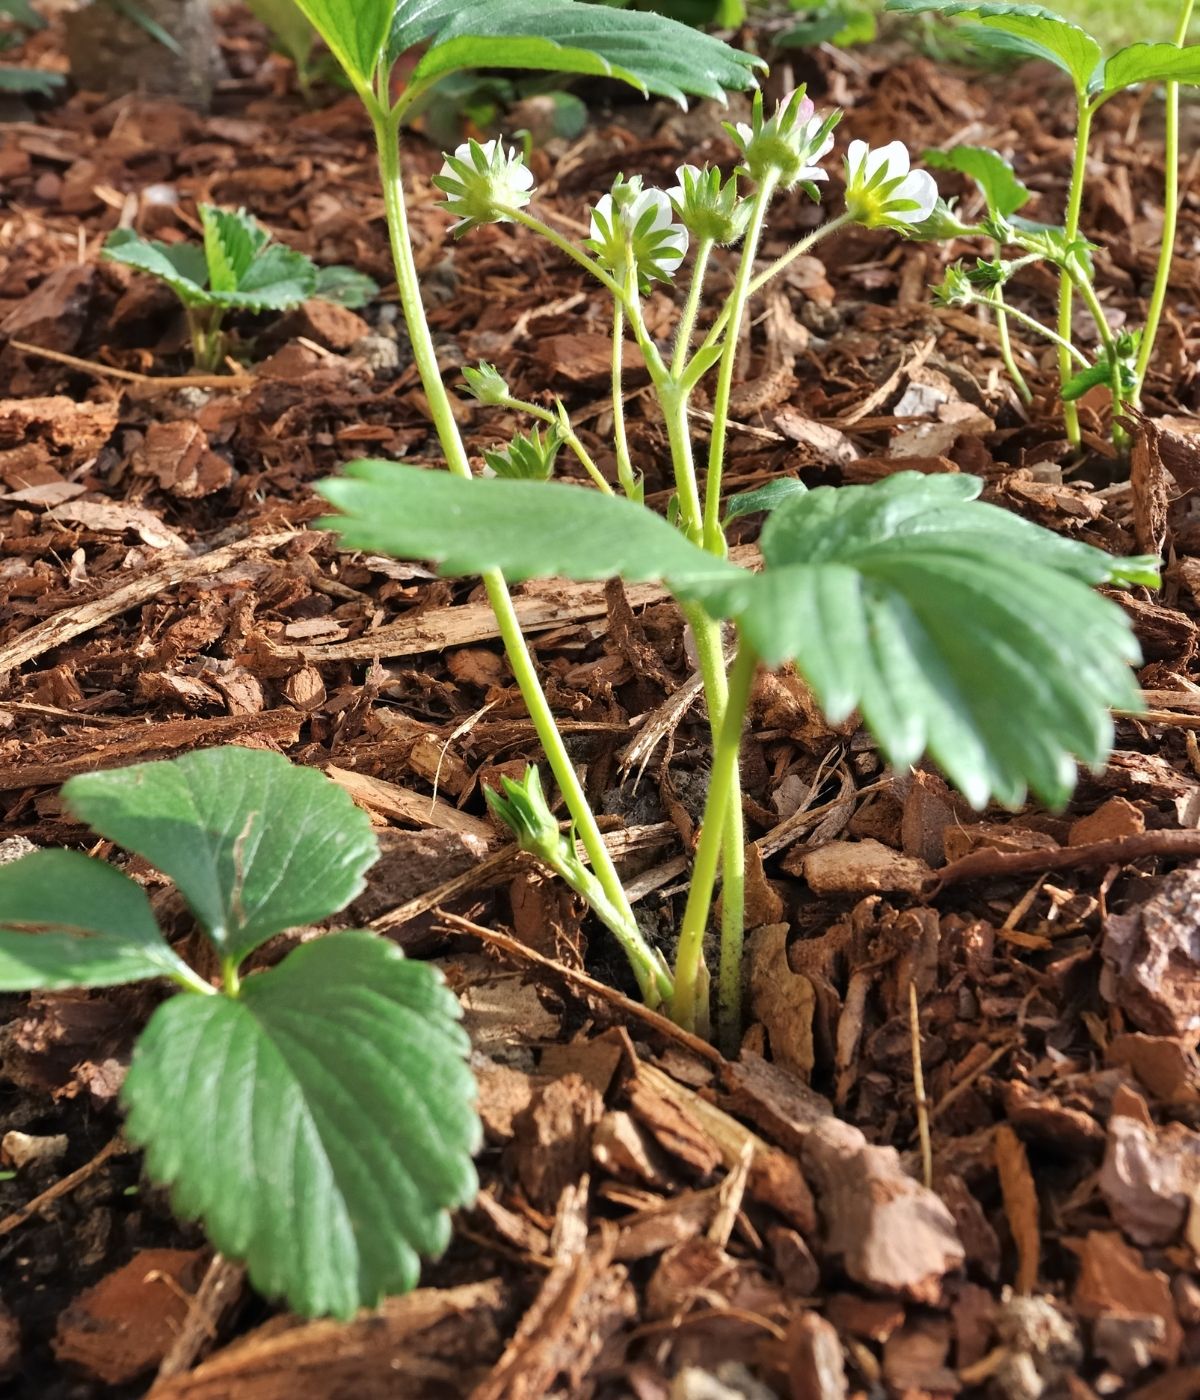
(1026,31)
(278,278)
(649,51)
(69,921)
(525,528)
(320,1124)
(955,627)
(997,180)
(1151,63)
(255,844)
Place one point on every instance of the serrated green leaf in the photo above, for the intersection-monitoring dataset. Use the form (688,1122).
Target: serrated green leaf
(1151,63)
(346,286)
(955,627)
(279,277)
(255,844)
(525,528)
(768,497)
(232,241)
(650,51)
(1085,379)
(355,31)
(1026,31)
(1002,190)
(320,1125)
(180,265)
(69,921)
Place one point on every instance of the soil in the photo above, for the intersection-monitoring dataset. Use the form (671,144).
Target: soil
(655,1221)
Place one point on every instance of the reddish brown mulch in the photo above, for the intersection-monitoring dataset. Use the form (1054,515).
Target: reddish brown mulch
(654,1222)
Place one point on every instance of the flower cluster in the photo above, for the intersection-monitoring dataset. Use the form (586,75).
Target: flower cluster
(481,182)
(633,227)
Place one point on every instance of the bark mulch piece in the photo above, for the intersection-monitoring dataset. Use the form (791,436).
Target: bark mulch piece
(654,1221)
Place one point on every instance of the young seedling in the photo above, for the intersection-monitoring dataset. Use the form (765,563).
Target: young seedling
(1033,31)
(317,1116)
(239,267)
(955,628)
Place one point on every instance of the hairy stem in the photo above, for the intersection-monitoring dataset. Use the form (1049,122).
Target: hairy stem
(652,979)
(625,474)
(1166,255)
(1006,350)
(1083,133)
(568,436)
(721,788)
(687,322)
(714,536)
(1065,347)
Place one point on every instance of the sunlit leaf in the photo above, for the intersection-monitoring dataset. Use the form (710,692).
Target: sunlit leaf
(1152,63)
(355,32)
(255,844)
(649,51)
(1026,31)
(527,529)
(1002,190)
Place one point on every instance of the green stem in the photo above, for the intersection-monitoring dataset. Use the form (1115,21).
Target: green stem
(674,402)
(625,475)
(696,365)
(721,788)
(231,983)
(655,984)
(1006,350)
(1083,284)
(1083,133)
(191,981)
(562,426)
(1166,255)
(714,536)
(687,323)
(1064,346)
(564,245)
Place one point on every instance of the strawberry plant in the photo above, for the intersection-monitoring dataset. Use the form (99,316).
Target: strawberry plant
(316,1116)
(1025,31)
(955,629)
(239,267)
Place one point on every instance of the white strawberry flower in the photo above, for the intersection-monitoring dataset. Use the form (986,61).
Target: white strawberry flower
(786,145)
(480,180)
(881,190)
(637,222)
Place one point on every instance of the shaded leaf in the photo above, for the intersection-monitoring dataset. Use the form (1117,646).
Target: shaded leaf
(997,180)
(955,627)
(180,265)
(320,1125)
(346,286)
(767,497)
(526,529)
(255,844)
(649,51)
(69,921)
(1026,31)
